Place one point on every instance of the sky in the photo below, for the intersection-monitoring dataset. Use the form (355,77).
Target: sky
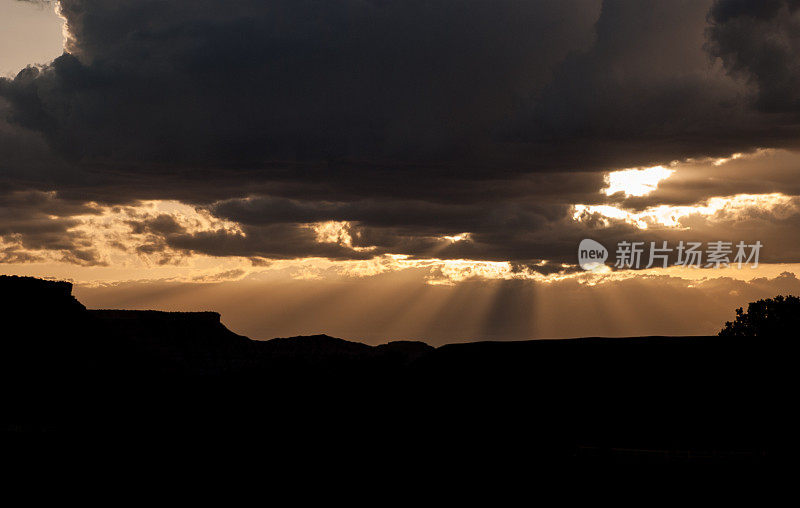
(29,34)
(381,170)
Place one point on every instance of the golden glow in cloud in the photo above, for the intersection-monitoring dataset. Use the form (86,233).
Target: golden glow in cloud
(670,216)
(639,182)
(461,237)
(635,181)
(120,249)
(65,32)
(336,232)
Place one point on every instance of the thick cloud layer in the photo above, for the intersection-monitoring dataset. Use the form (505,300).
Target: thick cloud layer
(409,120)
(761,41)
(252,81)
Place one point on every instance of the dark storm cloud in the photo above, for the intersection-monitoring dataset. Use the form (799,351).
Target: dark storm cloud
(646,93)
(410,119)
(761,41)
(206,80)
(474,87)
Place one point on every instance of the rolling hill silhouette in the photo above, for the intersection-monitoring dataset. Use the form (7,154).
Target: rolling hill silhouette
(183,376)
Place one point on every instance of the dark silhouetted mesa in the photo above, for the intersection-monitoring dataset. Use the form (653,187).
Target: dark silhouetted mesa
(106,376)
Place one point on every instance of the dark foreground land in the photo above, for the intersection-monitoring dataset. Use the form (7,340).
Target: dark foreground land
(107,378)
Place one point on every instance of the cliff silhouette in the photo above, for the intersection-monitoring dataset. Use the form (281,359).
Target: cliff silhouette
(167,376)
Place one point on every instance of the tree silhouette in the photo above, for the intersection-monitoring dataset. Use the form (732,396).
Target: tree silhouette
(773,317)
